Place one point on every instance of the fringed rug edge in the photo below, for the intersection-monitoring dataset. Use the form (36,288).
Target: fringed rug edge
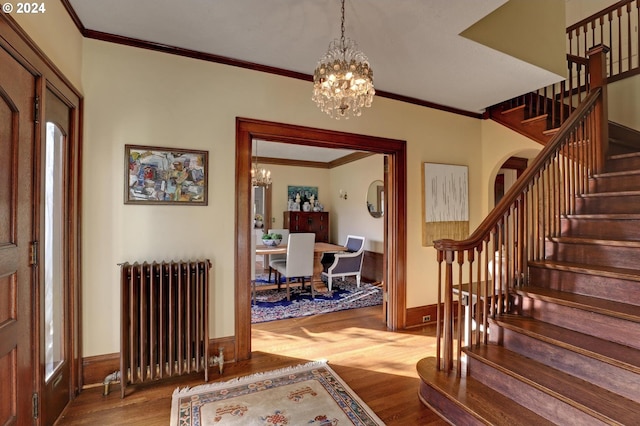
(188,391)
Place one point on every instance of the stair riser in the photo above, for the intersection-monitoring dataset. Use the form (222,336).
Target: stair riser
(593,254)
(602,228)
(626,204)
(610,377)
(615,183)
(618,290)
(591,323)
(542,403)
(623,164)
(446,408)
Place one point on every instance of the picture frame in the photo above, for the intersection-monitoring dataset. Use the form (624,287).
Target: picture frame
(445,202)
(305,192)
(165,176)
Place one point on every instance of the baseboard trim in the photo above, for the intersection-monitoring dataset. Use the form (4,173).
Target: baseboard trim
(96,368)
(415,315)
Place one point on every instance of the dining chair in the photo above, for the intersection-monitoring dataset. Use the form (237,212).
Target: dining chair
(347,263)
(275,258)
(299,260)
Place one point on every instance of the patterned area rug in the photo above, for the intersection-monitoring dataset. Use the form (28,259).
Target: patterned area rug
(272,304)
(310,394)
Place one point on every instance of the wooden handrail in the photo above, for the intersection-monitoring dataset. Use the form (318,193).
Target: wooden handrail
(494,259)
(523,181)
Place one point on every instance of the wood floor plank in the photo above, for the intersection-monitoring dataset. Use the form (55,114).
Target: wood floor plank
(379,365)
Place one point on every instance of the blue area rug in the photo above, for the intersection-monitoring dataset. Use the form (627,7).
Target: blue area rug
(272,304)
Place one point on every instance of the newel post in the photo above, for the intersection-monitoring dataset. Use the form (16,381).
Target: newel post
(598,78)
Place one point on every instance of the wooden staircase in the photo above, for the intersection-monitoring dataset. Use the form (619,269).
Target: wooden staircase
(569,352)
(563,347)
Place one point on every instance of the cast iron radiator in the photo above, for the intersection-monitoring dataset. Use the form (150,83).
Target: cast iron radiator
(164,324)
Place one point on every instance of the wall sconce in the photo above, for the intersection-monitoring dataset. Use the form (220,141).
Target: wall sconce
(343,194)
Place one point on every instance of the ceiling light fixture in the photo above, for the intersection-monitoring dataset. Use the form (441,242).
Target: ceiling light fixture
(343,79)
(259,175)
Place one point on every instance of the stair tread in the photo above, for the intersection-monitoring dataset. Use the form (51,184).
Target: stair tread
(611,194)
(514,109)
(593,304)
(594,347)
(576,392)
(478,399)
(627,155)
(596,241)
(605,271)
(535,119)
(605,216)
(616,174)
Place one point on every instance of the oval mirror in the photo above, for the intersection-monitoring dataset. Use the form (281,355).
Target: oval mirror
(375,198)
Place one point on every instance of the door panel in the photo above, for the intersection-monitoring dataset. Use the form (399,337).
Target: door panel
(17,89)
(54,274)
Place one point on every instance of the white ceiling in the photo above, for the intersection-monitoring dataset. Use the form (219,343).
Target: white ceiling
(298,152)
(413,45)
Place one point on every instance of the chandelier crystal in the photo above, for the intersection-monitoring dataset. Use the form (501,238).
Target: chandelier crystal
(343,79)
(259,175)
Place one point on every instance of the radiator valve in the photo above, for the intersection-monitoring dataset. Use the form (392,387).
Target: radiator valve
(113,377)
(218,360)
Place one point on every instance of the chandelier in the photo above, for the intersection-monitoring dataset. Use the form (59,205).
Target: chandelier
(343,79)
(259,175)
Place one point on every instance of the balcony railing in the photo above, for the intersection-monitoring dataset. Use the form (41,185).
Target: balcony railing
(615,27)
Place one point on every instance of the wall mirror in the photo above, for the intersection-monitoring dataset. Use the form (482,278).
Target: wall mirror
(375,198)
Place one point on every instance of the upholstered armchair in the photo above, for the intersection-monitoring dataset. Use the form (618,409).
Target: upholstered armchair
(346,264)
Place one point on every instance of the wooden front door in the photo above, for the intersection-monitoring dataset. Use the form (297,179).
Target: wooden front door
(17,130)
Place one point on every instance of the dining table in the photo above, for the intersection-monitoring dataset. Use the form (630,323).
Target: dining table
(318,250)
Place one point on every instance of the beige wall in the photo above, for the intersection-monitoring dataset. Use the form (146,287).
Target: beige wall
(56,34)
(624,107)
(350,216)
(134,96)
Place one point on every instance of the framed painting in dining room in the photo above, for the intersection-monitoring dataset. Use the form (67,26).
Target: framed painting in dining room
(445,202)
(173,176)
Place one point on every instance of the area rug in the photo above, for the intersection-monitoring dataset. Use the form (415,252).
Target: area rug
(309,394)
(273,305)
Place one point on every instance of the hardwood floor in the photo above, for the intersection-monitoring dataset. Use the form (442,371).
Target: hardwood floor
(380,366)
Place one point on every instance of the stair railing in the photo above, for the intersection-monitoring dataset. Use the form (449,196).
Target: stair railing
(557,100)
(480,271)
(616,27)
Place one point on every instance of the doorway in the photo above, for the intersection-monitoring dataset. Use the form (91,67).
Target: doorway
(39,241)
(395,231)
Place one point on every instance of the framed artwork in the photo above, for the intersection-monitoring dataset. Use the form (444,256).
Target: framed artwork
(305,192)
(445,203)
(155,175)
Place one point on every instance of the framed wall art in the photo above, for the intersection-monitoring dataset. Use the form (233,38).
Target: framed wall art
(304,192)
(155,175)
(445,203)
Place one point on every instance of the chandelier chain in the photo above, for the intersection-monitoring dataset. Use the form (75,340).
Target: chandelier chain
(342,40)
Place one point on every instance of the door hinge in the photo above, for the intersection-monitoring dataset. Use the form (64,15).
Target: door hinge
(36,109)
(35,405)
(33,255)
